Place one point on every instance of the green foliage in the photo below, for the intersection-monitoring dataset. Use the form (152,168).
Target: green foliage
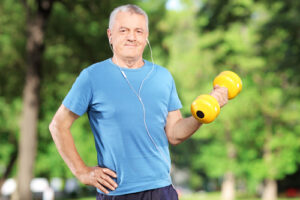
(235,35)
(12,47)
(9,130)
(256,135)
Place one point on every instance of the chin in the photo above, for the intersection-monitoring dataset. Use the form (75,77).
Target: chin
(132,55)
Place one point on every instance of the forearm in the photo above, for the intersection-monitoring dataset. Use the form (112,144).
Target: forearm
(66,147)
(184,128)
(179,129)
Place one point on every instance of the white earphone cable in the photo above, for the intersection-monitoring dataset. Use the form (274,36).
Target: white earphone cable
(141,101)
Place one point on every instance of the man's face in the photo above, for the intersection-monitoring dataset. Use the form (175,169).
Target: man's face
(128,35)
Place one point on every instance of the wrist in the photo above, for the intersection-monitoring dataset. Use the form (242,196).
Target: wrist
(195,121)
(78,172)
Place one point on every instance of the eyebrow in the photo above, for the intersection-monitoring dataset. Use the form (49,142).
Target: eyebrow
(134,28)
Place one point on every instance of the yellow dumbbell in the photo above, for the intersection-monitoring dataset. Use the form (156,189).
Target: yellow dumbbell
(206,108)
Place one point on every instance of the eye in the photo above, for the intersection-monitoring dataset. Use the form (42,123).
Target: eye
(139,31)
(123,30)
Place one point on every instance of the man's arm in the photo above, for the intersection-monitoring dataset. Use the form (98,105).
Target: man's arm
(61,134)
(179,129)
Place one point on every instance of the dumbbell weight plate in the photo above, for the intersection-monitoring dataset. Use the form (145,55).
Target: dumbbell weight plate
(205,108)
(231,81)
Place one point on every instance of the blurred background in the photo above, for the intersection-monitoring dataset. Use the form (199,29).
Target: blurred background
(252,150)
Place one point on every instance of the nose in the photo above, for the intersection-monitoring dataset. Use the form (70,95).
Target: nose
(131,36)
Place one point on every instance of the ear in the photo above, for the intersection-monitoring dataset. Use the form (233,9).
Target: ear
(109,34)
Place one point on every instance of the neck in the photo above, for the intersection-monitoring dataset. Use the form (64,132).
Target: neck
(128,62)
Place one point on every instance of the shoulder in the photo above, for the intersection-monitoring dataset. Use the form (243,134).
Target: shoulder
(161,71)
(93,72)
(99,71)
(97,67)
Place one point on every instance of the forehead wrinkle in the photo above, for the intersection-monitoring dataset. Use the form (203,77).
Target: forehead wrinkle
(119,20)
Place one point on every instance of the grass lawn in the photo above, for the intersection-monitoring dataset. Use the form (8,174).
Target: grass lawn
(216,196)
(202,196)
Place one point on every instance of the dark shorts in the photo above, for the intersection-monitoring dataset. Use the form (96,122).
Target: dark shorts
(164,193)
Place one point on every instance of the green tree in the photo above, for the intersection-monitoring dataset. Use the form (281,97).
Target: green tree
(12,40)
(36,14)
(280,92)
(241,143)
(200,54)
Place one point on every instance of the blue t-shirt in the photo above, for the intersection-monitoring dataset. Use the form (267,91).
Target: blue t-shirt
(117,120)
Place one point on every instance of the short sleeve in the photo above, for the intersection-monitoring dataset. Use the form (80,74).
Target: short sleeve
(80,95)
(174,101)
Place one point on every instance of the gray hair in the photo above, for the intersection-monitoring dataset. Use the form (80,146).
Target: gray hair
(127,8)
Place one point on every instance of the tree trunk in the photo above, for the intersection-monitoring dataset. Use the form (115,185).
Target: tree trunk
(36,23)
(270,190)
(270,186)
(28,137)
(228,187)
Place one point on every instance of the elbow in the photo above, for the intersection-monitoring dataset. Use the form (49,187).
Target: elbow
(52,127)
(175,142)
(173,139)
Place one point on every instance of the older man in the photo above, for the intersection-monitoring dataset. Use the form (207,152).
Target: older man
(133,109)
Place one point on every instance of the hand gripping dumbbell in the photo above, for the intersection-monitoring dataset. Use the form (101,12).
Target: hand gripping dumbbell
(206,108)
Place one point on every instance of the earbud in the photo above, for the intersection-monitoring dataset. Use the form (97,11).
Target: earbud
(109,39)
(147,40)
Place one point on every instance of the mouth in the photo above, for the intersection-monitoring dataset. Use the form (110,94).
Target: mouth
(130,45)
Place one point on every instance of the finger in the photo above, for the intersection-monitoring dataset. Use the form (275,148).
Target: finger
(105,183)
(216,87)
(100,187)
(109,172)
(225,90)
(225,93)
(109,180)
(222,92)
